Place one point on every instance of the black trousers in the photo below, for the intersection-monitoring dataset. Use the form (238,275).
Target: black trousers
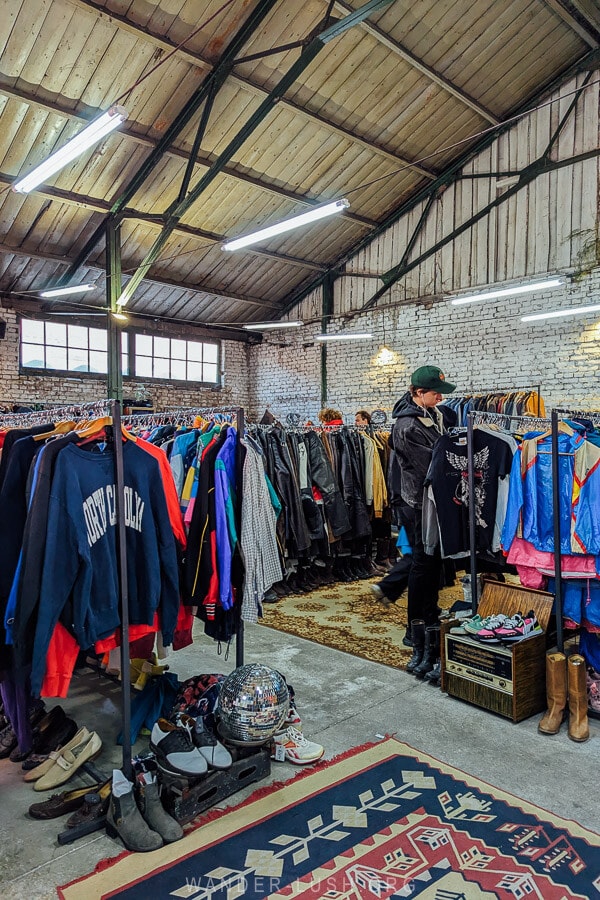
(425,571)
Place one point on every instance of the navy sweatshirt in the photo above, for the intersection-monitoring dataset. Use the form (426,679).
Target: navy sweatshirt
(80,573)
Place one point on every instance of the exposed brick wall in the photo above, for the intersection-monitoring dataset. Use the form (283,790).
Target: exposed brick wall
(19,388)
(483,345)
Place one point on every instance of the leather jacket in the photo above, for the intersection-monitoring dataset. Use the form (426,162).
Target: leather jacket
(321,474)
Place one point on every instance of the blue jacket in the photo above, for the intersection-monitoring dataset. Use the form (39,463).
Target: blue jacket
(80,583)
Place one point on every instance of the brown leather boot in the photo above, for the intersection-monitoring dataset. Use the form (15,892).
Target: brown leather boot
(556,693)
(578,718)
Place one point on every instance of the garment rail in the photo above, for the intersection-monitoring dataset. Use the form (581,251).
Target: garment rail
(185,415)
(519,424)
(559,414)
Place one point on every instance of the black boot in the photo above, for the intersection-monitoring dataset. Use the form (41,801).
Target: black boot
(407,639)
(432,651)
(417,631)
(435,676)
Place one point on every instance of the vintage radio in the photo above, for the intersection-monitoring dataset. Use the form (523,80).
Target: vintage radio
(508,680)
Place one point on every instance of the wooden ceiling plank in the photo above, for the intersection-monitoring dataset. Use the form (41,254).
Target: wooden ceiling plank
(422,67)
(573,23)
(203,160)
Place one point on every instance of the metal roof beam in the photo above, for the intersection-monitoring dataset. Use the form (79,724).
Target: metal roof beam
(69,198)
(528,175)
(590,11)
(178,210)
(160,282)
(421,67)
(589,61)
(572,22)
(258,90)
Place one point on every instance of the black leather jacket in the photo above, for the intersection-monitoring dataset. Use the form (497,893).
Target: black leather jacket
(321,474)
(413,435)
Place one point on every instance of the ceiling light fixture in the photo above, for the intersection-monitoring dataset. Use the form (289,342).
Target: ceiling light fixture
(64,291)
(258,326)
(313,215)
(559,313)
(510,291)
(97,129)
(350,336)
(120,317)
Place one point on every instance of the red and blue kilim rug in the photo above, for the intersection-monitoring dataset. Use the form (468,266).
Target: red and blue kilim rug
(385,821)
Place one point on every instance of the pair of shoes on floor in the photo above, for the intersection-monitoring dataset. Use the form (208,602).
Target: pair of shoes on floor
(293,746)
(84,747)
(9,743)
(136,814)
(68,802)
(185,747)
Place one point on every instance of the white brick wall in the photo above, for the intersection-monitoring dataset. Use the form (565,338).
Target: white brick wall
(19,388)
(483,345)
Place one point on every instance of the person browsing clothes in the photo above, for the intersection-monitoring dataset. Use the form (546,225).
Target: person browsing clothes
(417,426)
(362,418)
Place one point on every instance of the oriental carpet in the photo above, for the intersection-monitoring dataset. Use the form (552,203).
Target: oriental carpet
(382,821)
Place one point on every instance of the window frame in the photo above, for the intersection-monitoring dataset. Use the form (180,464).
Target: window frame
(66,373)
(132,334)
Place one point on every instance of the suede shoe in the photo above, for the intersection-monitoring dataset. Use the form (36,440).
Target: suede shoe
(68,761)
(45,766)
(59,804)
(153,812)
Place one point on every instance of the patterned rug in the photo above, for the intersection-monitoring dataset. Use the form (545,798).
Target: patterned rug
(347,617)
(384,821)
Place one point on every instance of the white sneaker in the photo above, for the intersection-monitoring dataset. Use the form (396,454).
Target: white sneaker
(298,749)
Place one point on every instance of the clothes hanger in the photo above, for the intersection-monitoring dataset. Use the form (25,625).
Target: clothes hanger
(59,428)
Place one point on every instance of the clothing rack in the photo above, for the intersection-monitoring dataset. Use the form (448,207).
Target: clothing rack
(186,415)
(559,414)
(525,423)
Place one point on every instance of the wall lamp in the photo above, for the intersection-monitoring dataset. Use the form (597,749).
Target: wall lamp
(313,215)
(264,326)
(97,129)
(65,291)
(350,336)
(510,291)
(559,313)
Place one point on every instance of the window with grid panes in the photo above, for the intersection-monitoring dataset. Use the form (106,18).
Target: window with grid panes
(55,346)
(174,359)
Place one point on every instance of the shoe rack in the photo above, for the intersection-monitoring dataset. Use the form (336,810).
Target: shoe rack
(508,680)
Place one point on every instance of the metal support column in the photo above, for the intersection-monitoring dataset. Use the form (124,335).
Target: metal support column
(113,292)
(556,525)
(472,522)
(327,313)
(239,466)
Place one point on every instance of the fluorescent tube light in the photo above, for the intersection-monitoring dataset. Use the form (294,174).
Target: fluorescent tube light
(254,326)
(313,215)
(95,131)
(558,313)
(509,292)
(64,291)
(350,336)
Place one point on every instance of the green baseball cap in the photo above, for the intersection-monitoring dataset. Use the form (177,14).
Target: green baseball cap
(430,378)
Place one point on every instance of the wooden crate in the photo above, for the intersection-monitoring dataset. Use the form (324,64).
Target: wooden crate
(508,680)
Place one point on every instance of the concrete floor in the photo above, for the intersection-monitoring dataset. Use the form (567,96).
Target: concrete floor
(344,702)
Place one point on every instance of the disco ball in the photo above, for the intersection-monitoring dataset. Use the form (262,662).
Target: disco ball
(253,704)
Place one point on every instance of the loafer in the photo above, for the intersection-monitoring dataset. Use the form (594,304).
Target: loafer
(59,804)
(68,761)
(44,767)
(56,736)
(94,806)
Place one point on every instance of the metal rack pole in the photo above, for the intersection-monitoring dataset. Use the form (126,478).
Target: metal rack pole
(472,522)
(239,638)
(123,586)
(556,526)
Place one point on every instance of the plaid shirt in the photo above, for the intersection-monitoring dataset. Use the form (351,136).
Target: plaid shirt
(258,542)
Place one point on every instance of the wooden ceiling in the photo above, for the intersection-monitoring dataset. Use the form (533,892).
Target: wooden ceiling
(372,112)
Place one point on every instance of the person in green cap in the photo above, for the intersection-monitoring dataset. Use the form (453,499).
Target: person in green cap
(417,426)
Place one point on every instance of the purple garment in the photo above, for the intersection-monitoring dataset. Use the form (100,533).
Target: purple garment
(18,703)
(225,517)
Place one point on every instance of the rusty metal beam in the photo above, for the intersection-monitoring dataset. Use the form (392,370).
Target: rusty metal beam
(157,281)
(418,64)
(205,160)
(573,23)
(253,87)
(69,198)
